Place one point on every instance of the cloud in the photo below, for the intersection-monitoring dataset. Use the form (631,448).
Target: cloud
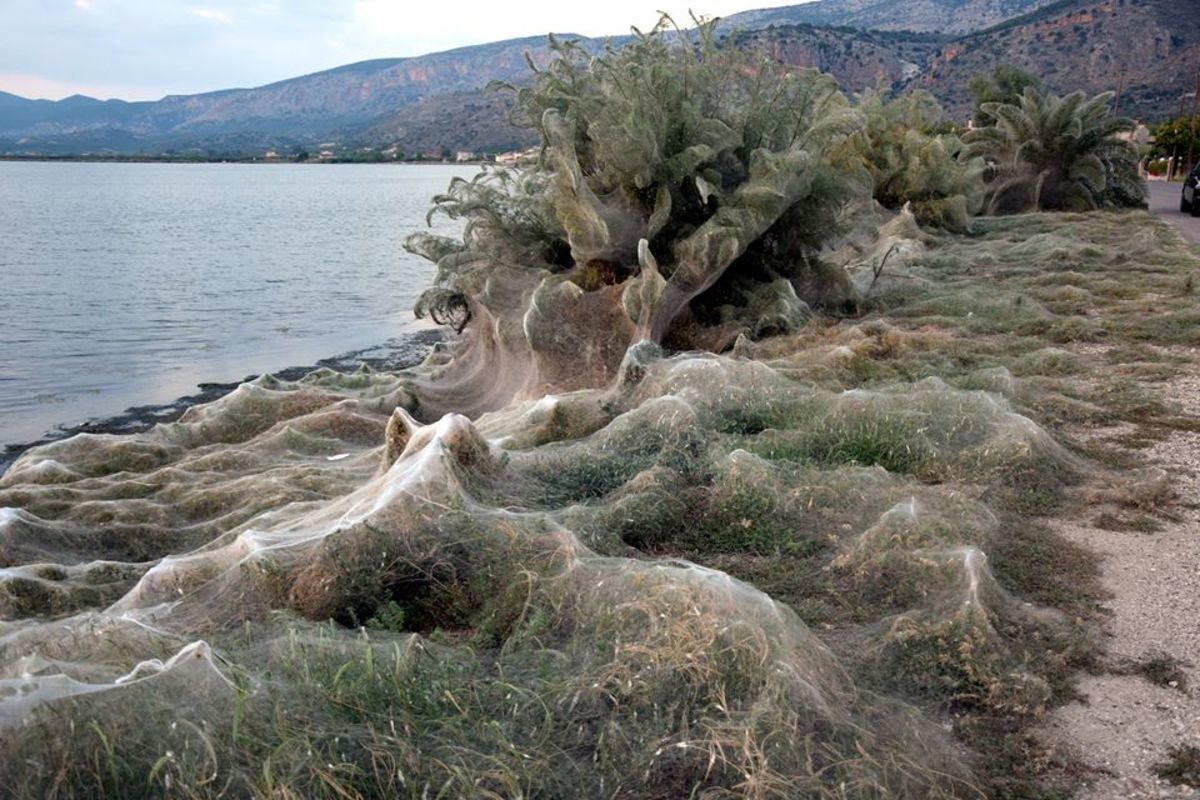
(381,15)
(83,5)
(211,14)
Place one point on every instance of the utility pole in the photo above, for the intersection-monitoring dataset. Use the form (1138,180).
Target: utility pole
(1120,89)
(1195,110)
(1171,165)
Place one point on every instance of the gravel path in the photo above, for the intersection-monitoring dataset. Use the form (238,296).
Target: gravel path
(1127,723)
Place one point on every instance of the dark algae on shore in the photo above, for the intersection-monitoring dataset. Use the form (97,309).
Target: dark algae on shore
(732,486)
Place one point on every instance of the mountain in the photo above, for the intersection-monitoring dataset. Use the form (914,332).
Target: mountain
(413,100)
(331,104)
(478,121)
(325,102)
(21,114)
(422,104)
(929,16)
(858,59)
(1148,48)
(426,104)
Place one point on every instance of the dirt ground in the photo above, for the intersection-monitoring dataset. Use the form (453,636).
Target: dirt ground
(1126,725)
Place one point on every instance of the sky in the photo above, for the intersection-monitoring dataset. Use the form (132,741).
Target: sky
(145,49)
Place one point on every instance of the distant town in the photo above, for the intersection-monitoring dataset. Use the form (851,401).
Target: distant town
(324,153)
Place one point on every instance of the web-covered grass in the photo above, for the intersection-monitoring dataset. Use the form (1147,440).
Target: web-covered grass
(773,572)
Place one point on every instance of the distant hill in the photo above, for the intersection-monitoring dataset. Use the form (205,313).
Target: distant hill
(1152,47)
(927,16)
(334,104)
(858,59)
(474,121)
(429,103)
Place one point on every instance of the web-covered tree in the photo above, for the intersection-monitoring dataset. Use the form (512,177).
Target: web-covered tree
(913,158)
(1056,153)
(692,184)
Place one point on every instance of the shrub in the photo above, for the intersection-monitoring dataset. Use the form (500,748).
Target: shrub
(911,162)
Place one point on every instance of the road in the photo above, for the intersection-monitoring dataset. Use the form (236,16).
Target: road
(1164,203)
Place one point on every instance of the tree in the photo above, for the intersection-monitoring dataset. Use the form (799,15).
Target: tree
(1047,152)
(912,162)
(1172,138)
(694,178)
(1006,84)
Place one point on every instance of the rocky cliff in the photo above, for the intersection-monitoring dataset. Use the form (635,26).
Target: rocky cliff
(937,16)
(1150,49)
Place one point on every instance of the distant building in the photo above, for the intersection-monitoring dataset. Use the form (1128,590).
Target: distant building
(517,157)
(465,155)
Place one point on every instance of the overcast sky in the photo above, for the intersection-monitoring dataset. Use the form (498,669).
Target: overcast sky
(144,49)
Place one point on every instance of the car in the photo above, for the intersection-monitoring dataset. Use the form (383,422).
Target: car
(1188,202)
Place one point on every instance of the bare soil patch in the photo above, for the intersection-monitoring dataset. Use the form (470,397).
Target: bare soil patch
(1125,725)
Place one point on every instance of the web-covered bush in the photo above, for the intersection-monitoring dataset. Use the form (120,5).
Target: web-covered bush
(668,167)
(912,160)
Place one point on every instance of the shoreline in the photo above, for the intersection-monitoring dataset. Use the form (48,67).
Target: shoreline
(227,159)
(397,353)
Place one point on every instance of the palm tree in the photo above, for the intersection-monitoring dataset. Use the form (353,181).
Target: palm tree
(1060,153)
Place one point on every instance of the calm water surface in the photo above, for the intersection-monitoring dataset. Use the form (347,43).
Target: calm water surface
(128,284)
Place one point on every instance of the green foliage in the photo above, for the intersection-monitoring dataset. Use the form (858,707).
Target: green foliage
(1057,153)
(749,511)
(1173,138)
(676,164)
(910,161)
(1006,84)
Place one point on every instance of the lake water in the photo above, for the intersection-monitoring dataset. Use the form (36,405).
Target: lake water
(128,284)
